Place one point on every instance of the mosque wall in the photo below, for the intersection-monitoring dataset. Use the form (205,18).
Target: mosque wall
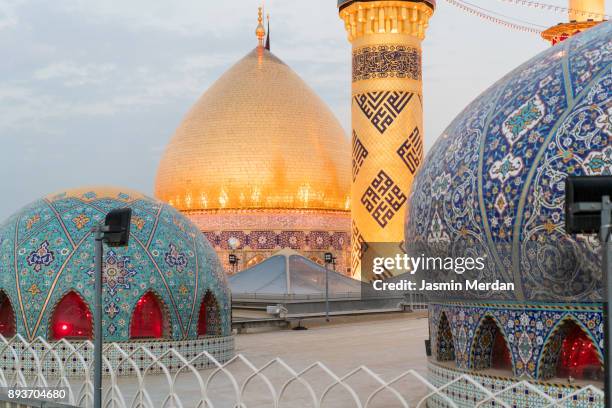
(219,347)
(528,330)
(261,233)
(464,394)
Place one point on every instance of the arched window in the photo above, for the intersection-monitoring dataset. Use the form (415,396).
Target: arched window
(490,349)
(149,319)
(71,318)
(317,260)
(445,345)
(209,323)
(7,316)
(255,260)
(500,355)
(570,352)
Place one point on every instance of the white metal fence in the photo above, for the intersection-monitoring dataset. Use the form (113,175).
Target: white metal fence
(172,380)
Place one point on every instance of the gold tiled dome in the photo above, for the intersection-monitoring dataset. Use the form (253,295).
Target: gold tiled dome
(258,138)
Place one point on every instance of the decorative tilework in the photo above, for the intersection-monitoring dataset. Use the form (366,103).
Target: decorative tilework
(41,256)
(465,395)
(292,239)
(359,155)
(118,272)
(358,243)
(445,344)
(174,258)
(531,332)
(261,233)
(213,316)
(494,181)
(322,240)
(523,119)
(384,61)
(220,347)
(411,151)
(381,108)
(482,344)
(46,250)
(599,162)
(383,198)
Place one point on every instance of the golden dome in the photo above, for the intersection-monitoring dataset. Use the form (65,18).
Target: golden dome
(259,137)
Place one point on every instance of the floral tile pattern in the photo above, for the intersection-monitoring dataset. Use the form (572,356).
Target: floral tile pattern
(47,250)
(494,182)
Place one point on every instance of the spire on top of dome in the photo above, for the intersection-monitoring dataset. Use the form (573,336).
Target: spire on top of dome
(260,31)
(268,33)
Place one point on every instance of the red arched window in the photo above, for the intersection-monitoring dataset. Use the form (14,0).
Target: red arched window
(578,357)
(208,319)
(71,318)
(7,316)
(148,320)
(500,355)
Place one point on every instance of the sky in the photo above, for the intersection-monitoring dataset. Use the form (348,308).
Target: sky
(91,91)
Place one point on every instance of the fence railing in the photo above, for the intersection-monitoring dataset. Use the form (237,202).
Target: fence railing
(358,295)
(171,379)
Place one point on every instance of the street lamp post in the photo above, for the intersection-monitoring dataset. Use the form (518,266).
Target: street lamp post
(99,249)
(115,233)
(233,261)
(233,243)
(329,259)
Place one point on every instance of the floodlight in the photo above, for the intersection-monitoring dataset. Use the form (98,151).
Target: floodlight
(117,223)
(583,202)
(233,259)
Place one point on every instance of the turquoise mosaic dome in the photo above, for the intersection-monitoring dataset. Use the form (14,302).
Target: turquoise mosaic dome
(493,183)
(47,251)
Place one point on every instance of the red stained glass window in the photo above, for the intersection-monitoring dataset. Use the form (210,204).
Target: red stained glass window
(578,357)
(71,318)
(7,316)
(202,327)
(148,318)
(500,355)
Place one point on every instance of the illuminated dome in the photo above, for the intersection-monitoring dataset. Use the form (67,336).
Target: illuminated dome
(493,184)
(260,164)
(258,138)
(154,289)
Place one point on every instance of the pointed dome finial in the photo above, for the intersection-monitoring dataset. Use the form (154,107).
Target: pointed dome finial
(268,33)
(260,31)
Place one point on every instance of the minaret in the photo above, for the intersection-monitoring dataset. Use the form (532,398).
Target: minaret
(582,14)
(387,114)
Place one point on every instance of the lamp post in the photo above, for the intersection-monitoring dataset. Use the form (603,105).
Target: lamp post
(115,233)
(588,210)
(233,261)
(329,259)
(233,243)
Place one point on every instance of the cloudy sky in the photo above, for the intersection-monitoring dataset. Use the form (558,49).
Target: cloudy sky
(91,91)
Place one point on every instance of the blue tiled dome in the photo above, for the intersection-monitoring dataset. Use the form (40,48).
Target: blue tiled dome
(47,250)
(493,184)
